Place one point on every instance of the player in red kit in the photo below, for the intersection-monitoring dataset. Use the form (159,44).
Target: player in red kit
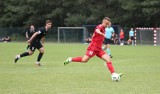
(95,47)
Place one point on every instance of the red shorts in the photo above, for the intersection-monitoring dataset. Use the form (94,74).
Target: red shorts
(92,52)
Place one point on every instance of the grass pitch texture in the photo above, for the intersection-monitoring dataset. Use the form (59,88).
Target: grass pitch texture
(140,66)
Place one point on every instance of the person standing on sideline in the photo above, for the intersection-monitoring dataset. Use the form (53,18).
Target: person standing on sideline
(29,33)
(37,42)
(131,36)
(95,48)
(121,36)
(109,33)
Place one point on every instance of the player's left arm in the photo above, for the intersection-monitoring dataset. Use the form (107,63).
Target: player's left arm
(99,32)
(42,40)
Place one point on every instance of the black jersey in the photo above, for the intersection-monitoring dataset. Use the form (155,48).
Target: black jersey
(30,33)
(42,32)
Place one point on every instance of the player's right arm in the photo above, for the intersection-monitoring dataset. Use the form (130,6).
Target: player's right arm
(33,36)
(99,32)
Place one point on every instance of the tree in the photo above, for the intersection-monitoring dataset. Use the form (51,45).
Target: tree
(127,13)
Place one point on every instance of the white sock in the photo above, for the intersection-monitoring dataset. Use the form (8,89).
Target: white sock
(18,56)
(70,59)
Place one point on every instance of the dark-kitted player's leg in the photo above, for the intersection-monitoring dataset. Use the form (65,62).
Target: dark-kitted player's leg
(41,52)
(30,52)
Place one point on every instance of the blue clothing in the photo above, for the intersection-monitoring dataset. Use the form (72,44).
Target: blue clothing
(108,51)
(131,33)
(108,32)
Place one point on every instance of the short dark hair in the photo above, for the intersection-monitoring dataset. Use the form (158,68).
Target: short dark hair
(107,18)
(48,21)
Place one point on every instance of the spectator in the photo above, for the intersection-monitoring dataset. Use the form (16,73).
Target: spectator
(121,37)
(6,39)
(89,39)
(131,36)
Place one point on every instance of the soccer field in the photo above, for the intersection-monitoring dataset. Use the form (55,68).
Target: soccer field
(139,64)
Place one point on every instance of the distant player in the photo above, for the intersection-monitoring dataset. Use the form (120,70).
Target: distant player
(95,47)
(29,33)
(109,33)
(131,36)
(36,41)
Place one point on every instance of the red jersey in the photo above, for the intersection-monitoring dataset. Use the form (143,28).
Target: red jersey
(121,34)
(97,39)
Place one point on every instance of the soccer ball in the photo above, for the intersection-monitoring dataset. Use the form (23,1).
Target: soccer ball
(115,77)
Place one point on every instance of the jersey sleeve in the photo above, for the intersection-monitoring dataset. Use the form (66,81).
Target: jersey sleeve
(40,31)
(99,27)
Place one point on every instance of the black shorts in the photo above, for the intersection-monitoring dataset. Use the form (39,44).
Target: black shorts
(35,45)
(107,41)
(132,37)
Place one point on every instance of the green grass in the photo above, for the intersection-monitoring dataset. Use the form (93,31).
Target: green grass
(139,64)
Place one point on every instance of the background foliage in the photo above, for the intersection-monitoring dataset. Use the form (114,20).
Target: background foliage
(127,13)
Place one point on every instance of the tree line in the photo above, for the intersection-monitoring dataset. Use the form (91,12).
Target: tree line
(127,13)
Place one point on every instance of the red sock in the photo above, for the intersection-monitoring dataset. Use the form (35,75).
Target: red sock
(77,59)
(110,67)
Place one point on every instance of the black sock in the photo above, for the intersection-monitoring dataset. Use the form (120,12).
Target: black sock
(28,46)
(39,56)
(24,54)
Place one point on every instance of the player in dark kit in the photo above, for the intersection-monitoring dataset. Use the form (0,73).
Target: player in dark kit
(36,41)
(29,33)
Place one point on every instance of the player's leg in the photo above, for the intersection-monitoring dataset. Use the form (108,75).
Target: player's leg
(83,59)
(30,52)
(28,46)
(23,55)
(41,52)
(105,44)
(104,47)
(121,40)
(107,59)
(108,50)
